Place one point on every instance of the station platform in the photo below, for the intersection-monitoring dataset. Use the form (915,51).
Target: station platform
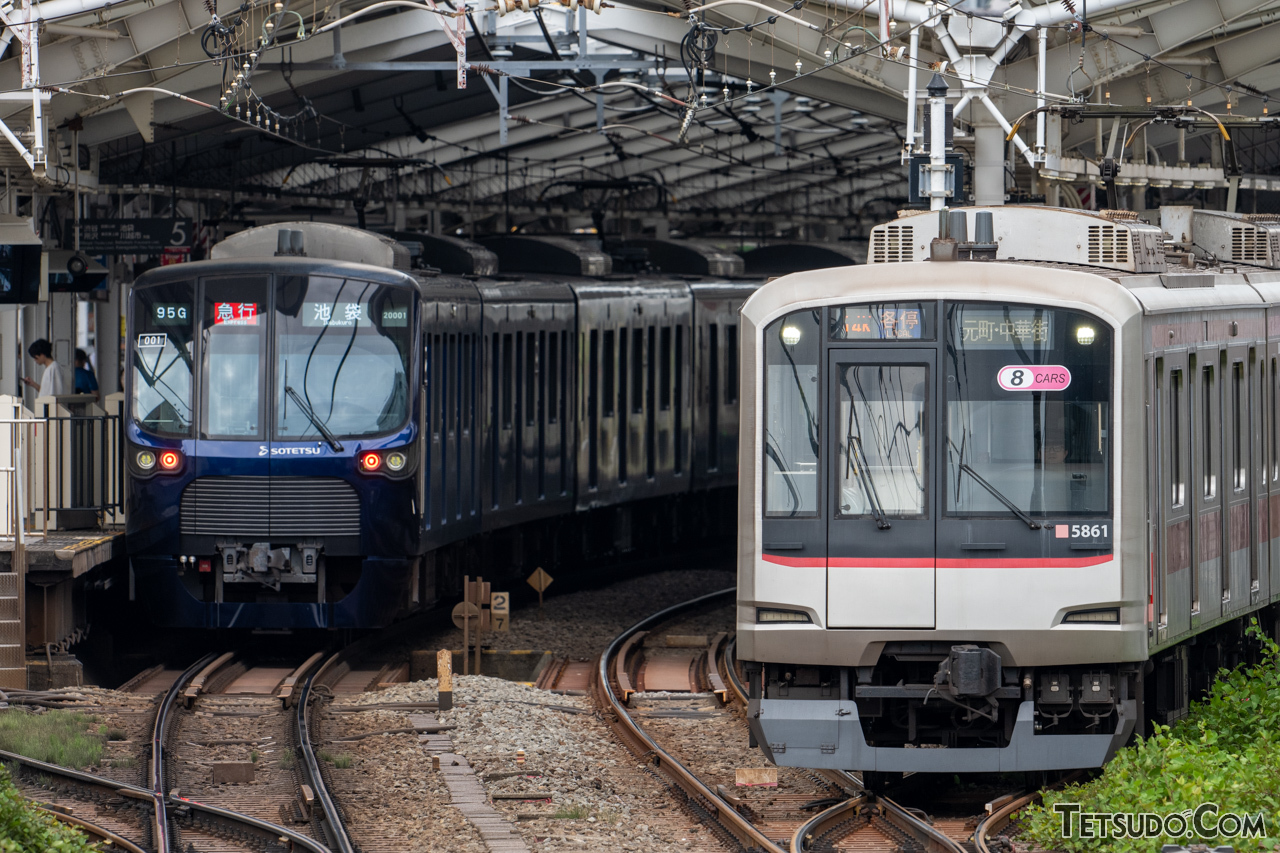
(67,552)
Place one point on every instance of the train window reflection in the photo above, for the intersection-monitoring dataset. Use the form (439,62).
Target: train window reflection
(343,346)
(1042,444)
(162,355)
(791,348)
(882,440)
(234,338)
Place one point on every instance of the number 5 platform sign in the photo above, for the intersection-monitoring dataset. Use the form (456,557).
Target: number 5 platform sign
(133,236)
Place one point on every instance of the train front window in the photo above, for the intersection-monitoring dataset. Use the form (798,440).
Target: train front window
(1028,411)
(162,357)
(882,440)
(234,330)
(792,401)
(342,345)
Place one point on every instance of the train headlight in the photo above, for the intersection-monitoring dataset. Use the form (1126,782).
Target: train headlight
(170,460)
(146,460)
(1085,335)
(791,335)
(396,461)
(370,461)
(1109,615)
(774,615)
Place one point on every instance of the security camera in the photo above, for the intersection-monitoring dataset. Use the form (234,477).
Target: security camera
(77,264)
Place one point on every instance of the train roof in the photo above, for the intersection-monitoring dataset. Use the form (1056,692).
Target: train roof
(291,265)
(314,240)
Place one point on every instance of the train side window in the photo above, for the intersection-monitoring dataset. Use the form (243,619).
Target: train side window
(553,368)
(593,411)
(792,400)
(439,376)
(664,374)
(637,371)
(679,398)
(1177,481)
(531,379)
(731,364)
(507,380)
(607,394)
(1207,412)
(713,364)
(1239,446)
(1275,422)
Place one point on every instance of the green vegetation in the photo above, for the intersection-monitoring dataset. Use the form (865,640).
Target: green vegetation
(58,737)
(254,755)
(342,762)
(286,759)
(574,812)
(1227,752)
(24,828)
(325,755)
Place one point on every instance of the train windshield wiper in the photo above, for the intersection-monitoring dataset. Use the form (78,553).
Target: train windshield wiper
(311,416)
(868,486)
(998,495)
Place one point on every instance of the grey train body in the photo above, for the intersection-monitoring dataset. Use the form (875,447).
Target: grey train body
(995,514)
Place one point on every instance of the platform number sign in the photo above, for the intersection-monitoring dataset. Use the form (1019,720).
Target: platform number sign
(500,610)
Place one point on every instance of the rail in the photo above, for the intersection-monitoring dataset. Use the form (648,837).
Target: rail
(164,803)
(330,819)
(746,833)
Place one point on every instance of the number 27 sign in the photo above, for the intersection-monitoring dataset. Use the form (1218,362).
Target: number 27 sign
(1033,377)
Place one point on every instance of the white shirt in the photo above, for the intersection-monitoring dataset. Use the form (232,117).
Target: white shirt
(51,381)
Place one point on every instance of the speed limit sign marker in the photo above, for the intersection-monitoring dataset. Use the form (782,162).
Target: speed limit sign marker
(500,608)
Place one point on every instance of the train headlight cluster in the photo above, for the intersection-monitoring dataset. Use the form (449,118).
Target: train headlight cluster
(1085,335)
(170,460)
(167,460)
(1109,615)
(146,460)
(790,335)
(396,461)
(370,461)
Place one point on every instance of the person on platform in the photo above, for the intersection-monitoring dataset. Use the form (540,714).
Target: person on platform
(86,381)
(50,384)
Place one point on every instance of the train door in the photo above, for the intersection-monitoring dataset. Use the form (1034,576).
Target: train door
(880,535)
(1171,511)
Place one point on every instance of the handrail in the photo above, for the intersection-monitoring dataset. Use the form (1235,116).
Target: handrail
(743,830)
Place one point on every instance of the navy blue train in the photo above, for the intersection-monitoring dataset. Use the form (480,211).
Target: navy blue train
(323,432)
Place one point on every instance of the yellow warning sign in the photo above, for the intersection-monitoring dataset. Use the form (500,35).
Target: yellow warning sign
(539,580)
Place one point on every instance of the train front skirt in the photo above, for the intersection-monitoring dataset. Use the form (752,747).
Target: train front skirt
(827,734)
(373,602)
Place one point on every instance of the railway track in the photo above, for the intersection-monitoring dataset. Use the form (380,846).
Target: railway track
(762,820)
(134,817)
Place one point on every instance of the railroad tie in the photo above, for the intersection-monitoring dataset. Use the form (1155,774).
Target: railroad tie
(466,793)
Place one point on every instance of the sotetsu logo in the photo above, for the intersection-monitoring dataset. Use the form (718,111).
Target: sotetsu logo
(263,450)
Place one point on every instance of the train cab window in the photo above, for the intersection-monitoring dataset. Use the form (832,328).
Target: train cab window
(162,355)
(1028,417)
(882,440)
(343,346)
(234,332)
(1239,439)
(792,346)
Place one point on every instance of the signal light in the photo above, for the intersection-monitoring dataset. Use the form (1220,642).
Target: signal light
(170,460)
(146,460)
(396,460)
(370,461)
